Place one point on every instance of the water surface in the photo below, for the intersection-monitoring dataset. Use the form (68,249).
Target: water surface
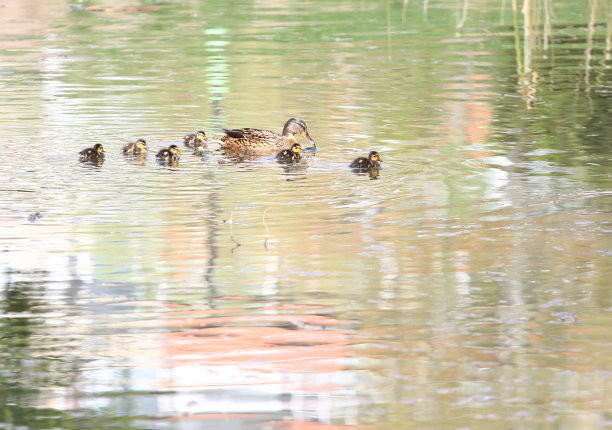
(463,285)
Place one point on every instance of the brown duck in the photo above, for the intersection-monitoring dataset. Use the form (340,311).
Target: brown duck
(196,141)
(96,153)
(136,148)
(254,141)
(291,154)
(172,153)
(373,160)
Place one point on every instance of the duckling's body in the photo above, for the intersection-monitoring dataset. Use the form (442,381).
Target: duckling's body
(136,148)
(373,160)
(172,153)
(255,141)
(196,141)
(290,155)
(95,153)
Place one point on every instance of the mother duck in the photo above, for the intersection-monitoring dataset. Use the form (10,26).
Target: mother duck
(254,141)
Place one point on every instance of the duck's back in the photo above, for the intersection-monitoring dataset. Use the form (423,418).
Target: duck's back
(361,163)
(192,141)
(129,148)
(164,154)
(253,141)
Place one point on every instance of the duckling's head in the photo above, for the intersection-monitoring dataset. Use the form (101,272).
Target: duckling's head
(98,148)
(296,148)
(200,135)
(141,144)
(174,149)
(297,126)
(373,156)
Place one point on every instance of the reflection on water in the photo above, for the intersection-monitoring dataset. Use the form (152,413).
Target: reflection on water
(372,172)
(466,286)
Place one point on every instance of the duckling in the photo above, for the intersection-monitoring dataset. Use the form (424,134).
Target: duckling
(291,154)
(373,160)
(136,148)
(196,141)
(255,141)
(96,153)
(172,153)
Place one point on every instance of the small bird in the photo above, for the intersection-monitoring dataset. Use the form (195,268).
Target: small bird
(136,148)
(291,154)
(254,141)
(34,216)
(172,153)
(196,141)
(373,160)
(96,153)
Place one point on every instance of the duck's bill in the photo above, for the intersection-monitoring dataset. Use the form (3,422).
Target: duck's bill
(308,138)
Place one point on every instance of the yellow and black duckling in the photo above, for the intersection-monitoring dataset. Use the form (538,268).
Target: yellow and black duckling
(96,153)
(373,160)
(196,141)
(291,154)
(136,148)
(172,153)
(254,141)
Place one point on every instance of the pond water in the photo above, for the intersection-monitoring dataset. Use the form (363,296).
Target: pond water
(466,284)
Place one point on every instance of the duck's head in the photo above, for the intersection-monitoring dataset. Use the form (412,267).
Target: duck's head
(296,148)
(373,156)
(174,149)
(297,126)
(141,144)
(98,148)
(200,135)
